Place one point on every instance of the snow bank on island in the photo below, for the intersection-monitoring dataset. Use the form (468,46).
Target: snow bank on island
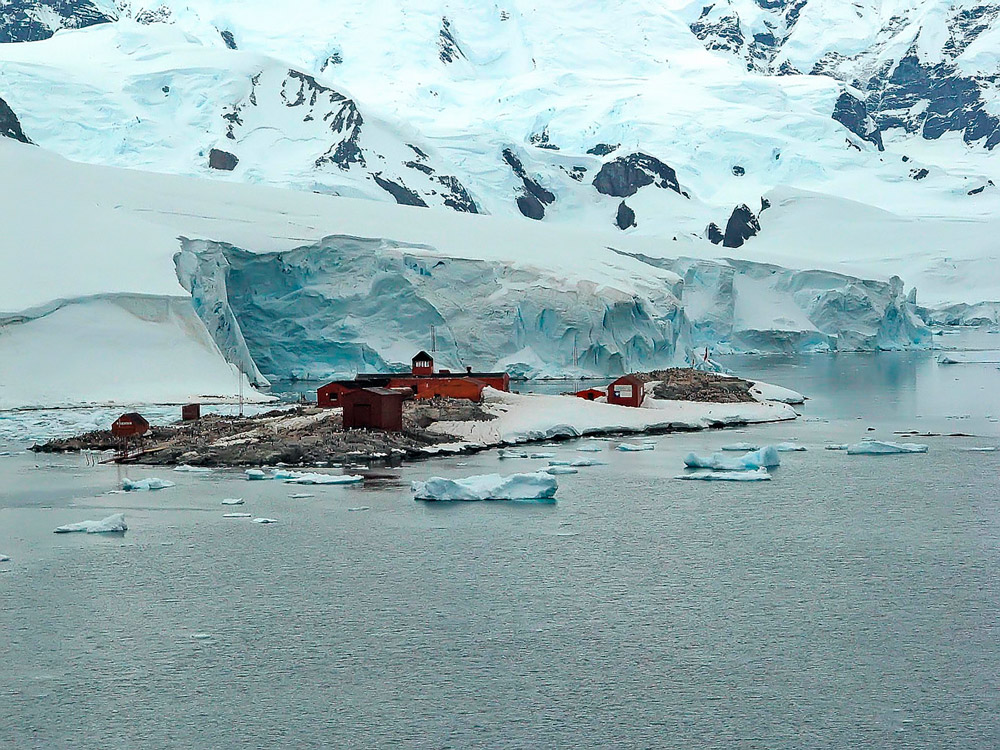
(535,486)
(114,523)
(530,417)
(768,392)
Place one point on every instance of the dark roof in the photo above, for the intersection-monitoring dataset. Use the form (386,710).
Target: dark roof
(630,378)
(382,391)
(134,416)
(422,355)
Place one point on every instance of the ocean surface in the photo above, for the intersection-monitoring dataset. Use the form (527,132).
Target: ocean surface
(851,602)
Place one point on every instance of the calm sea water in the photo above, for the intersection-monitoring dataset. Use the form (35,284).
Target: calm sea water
(851,602)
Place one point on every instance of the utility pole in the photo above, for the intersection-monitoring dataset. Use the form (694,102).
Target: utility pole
(433,339)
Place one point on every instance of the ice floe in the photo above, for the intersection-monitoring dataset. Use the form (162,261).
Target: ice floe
(556,470)
(141,485)
(535,486)
(766,457)
(590,448)
(836,447)
(757,475)
(789,447)
(883,448)
(740,447)
(303,477)
(301,495)
(233,501)
(112,524)
(631,447)
(588,462)
(193,469)
(236,515)
(4,558)
(264,520)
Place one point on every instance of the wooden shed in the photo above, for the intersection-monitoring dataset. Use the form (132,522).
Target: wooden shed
(130,425)
(372,408)
(590,394)
(328,396)
(628,390)
(190,412)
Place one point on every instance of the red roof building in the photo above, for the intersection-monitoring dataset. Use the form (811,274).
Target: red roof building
(129,425)
(628,390)
(372,408)
(590,394)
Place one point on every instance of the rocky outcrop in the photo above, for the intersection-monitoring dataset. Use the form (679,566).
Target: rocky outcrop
(9,125)
(31,20)
(448,49)
(625,219)
(742,225)
(533,197)
(623,176)
(219,159)
(713,234)
(400,192)
(852,113)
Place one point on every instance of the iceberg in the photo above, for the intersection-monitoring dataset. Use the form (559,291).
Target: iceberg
(236,515)
(264,520)
(836,447)
(541,455)
(193,469)
(112,524)
(789,447)
(310,478)
(740,447)
(257,474)
(535,486)
(757,475)
(301,495)
(4,558)
(233,501)
(554,470)
(630,447)
(882,448)
(766,457)
(590,448)
(511,454)
(588,462)
(141,485)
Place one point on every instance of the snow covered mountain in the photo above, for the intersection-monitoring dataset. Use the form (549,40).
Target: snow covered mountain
(856,138)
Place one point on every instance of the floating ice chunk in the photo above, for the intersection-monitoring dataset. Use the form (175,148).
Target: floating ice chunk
(200,636)
(301,495)
(4,558)
(789,447)
(757,475)
(536,486)
(193,469)
(257,474)
(633,447)
(766,457)
(882,448)
(264,520)
(233,501)
(507,453)
(308,478)
(112,524)
(734,447)
(541,455)
(555,470)
(358,508)
(588,462)
(980,449)
(560,463)
(152,483)
(236,515)
(836,447)
(591,448)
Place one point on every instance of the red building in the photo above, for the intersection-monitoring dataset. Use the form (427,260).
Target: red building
(465,388)
(328,396)
(190,412)
(422,364)
(372,408)
(590,394)
(628,390)
(129,425)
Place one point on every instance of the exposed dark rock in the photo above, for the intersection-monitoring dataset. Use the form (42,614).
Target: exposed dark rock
(448,49)
(457,196)
(905,159)
(534,197)
(918,174)
(403,195)
(686,384)
(603,149)
(218,159)
(738,171)
(713,234)
(981,188)
(425,168)
(165,89)
(9,125)
(576,172)
(420,154)
(623,176)
(228,38)
(541,140)
(625,218)
(764,204)
(530,206)
(336,58)
(852,113)
(742,226)
(25,21)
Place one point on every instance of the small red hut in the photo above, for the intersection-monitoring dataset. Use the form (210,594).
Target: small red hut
(130,425)
(628,390)
(190,412)
(372,408)
(328,396)
(590,394)
(422,364)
